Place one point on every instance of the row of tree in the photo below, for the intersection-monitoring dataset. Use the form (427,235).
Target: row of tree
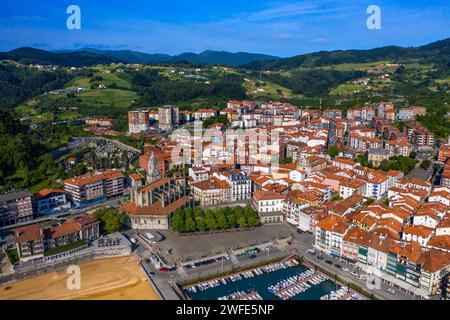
(190,220)
(404,164)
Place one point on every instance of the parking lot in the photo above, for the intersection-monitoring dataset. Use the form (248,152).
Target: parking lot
(192,247)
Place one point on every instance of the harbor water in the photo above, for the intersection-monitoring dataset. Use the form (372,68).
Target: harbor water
(262,282)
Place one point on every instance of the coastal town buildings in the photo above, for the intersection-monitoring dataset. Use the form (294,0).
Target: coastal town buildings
(34,240)
(138,121)
(51,201)
(15,206)
(269,206)
(151,205)
(94,187)
(168,117)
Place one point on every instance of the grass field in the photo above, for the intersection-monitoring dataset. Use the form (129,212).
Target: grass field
(109,97)
(346,89)
(50,183)
(108,80)
(369,67)
(269,89)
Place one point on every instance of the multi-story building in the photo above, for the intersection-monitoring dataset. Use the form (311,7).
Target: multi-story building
(138,121)
(376,156)
(269,206)
(186,116)
(30,242)
(15,206)
(445,176)
(211,192)
(419,136)
(240,182)
(444,152)
(377,184)
(204,114)
(72,230)
(198,174)
(404,264)
(101,122)
(329,234)
(33,240)
(419,269)
(422,137)
(292,208)
(383,107)
(94,187)
(409,113)
(364,114)
(401,148)
(50,201)
(332,113)
(363,143)
(168,117)
(293,149)
(350,187)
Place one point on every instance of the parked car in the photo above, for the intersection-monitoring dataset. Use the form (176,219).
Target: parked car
(345,269)
(353,273)
(338,266)
(329,261)
(390,290)
(133,240)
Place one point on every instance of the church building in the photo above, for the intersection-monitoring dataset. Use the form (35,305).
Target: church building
(152,205)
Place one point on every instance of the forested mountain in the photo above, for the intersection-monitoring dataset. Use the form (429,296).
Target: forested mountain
(205,57)
(156,89)
(18,84)
(20,153)
(27,55)
(436,52)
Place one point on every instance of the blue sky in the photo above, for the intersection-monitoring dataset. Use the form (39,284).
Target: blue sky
(283,28)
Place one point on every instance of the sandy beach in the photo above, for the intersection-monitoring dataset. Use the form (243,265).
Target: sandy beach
(115,278)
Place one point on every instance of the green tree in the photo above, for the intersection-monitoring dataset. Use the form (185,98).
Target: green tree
(231,218)
(425,164)
(286,160)
(222,222)
(210,220)
(242,222)
(177,221)
(189,221)
(368,202)
(333,151)
(111,220)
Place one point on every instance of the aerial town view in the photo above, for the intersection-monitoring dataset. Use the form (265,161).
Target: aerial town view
(148,157)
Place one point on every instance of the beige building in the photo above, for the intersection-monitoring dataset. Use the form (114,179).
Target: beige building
(377,155)
(211,192)
(168,117)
